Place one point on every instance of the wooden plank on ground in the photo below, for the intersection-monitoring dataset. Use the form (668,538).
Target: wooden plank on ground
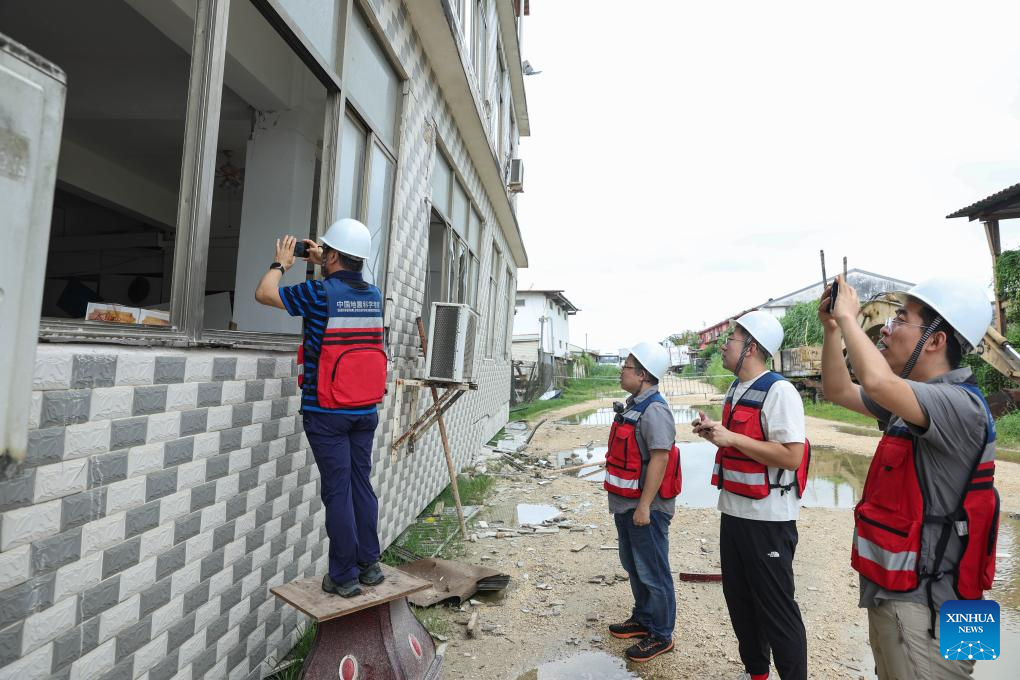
(306,595)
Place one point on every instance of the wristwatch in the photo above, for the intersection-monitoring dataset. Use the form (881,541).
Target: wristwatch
(277,265)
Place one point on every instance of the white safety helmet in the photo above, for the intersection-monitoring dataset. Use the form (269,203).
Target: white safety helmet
(350,237)
(764,328)
(653,357)
(964,305)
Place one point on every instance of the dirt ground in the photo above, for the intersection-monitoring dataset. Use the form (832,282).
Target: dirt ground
(562,596)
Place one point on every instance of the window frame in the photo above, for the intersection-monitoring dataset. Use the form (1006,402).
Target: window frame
(195,192)
(453,237)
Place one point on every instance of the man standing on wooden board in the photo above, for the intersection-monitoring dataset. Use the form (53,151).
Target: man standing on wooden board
(343,379)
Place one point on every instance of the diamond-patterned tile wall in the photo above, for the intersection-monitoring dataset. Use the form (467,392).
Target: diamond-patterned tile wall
(164,491)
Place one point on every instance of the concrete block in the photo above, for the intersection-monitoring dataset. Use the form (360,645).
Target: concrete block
(242,415)
(220,417)
(133,638)
(136,579)
(103,533)
(190,474)
(157,541)
(254,390)
(160,484)
(214,516)
(34,666)
(247,367)
(128,432)
(274,387)
(51,553)
(125,495)
(44,626)
(227,488)
(217,466)
(203,495)
(15,566)
(194,421)
(233,392)
(135,369)
(224,368)
(82,508)
(108,468)
(141,519)
(29,524)
(110,403)
(206,445)
(199,545)
(120,557)
(35,411)
(184,580)
(149,400)
(117,618)
(210,394)
(45,446)
(172,560)
(149,655)
(174,506)
(238,460)
(60,479)
(187,527)
(164,426)
(53,369)
(286,366)
(145,459)
(230,440)
(262,411)
(93,370)
(182,397)
(87,439)
(169,370)
(79,576)
(251,435)
(96,663)
(18,491)
(100,598)
(198,367)
(65,407)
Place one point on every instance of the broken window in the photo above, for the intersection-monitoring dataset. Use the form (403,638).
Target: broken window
(115,218)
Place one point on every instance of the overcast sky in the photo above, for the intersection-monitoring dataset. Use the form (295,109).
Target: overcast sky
(688,160)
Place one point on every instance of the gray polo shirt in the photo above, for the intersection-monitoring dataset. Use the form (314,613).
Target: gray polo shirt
(656,431)
(946,452)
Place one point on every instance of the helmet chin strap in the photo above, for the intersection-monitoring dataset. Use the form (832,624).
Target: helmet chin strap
(743,355)
(928,332)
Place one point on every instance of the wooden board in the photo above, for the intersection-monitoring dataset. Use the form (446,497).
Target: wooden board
(307,595)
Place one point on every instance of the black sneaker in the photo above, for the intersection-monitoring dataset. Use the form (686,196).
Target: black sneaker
(648,649)
(628,629)
(371,574)
(349,589)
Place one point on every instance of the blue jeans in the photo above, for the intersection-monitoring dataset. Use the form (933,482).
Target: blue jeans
(342,446)
(644,554)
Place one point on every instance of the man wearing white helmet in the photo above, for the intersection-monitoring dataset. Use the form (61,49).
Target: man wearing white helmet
(343,378)
(643,480)
(924,529)
(760,470)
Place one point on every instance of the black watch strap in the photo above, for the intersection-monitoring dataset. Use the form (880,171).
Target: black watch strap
(277,265)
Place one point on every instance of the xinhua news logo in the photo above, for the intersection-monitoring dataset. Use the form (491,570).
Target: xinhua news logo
(969,630)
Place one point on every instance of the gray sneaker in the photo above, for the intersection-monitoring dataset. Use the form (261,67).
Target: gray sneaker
(371,574)
(349,589)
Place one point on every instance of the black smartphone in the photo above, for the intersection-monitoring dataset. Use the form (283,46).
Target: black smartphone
(832,295)
(300,249)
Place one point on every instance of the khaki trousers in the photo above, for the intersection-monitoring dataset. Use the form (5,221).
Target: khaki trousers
(902,647)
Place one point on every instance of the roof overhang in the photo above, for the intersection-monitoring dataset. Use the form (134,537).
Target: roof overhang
(434,21)
(556,296)
(512,47)
(1003,205)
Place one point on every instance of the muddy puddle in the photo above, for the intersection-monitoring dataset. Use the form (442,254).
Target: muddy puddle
(835,480)
(587,665)
(518,515)
(1005,591)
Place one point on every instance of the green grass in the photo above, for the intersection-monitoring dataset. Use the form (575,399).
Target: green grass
(497,437)
(604,382)
(473,490)
(830,411)
(296,654)
(1007,431)
(433,619)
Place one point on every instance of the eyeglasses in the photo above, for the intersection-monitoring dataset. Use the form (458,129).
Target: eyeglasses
(892,323)
(625,367)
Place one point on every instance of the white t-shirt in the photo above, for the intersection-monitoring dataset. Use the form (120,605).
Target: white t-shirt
(783,421)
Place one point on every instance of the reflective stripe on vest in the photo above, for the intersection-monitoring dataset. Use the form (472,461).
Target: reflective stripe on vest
(623,459)
(733,471)
(891,561)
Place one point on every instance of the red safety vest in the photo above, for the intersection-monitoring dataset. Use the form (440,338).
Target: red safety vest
(894,507)
(623,460)
(741,474)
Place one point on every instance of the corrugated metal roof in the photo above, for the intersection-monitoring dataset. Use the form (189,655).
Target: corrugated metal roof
(987,206)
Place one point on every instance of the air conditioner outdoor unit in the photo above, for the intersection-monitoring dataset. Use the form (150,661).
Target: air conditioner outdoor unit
(516,184)
(451,356)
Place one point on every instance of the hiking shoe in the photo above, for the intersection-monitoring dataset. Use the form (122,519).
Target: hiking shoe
(371,574)
(349,589)
(648,649)
(628,629)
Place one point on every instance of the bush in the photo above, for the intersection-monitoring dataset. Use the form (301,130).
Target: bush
(1007,430)
(719,378)
(801,326)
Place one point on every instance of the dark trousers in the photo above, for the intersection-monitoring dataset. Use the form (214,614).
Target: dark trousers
(644,554)
(757,580)
(342,446)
